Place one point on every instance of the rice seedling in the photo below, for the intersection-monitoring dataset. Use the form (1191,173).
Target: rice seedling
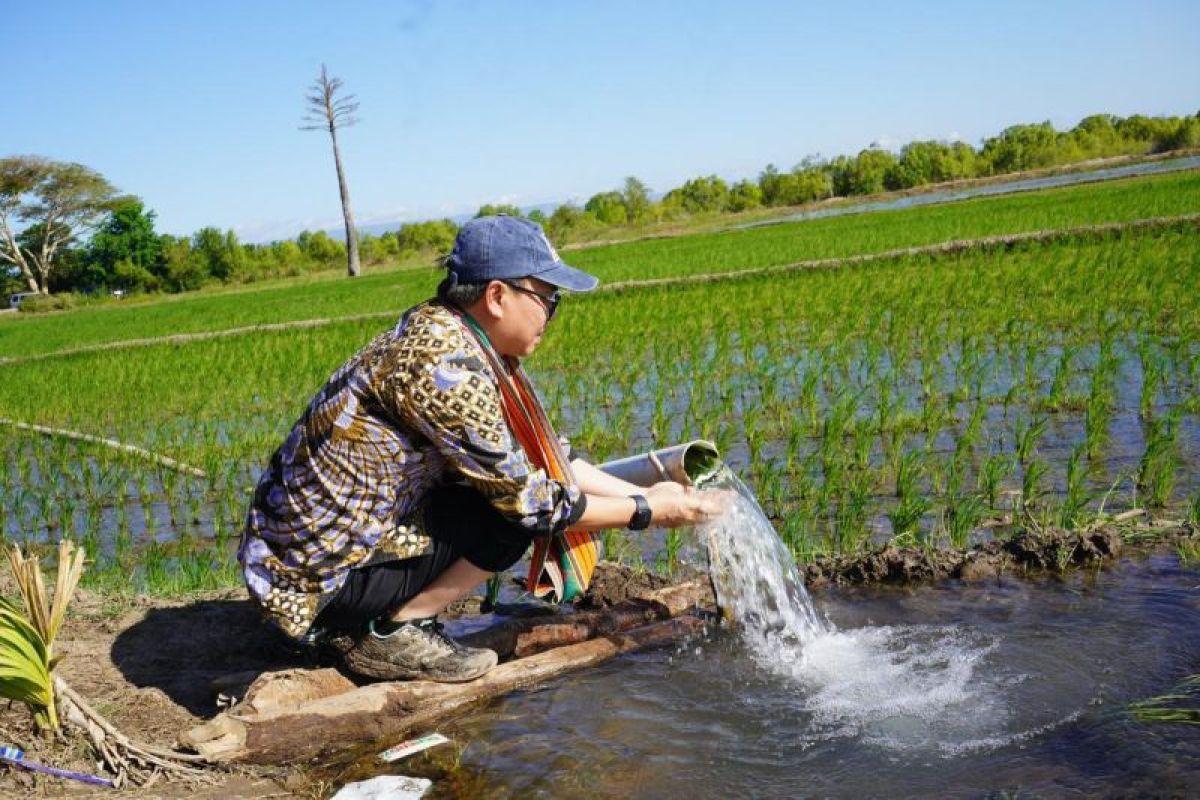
(667,561)
(901,368)
(1077,495)
(1193,511)
(1158,470)
(907,514)
(990,480)
(961,517)
(1189,552)
(1028,433)
(851,516)
(1031,483)
(1153,374)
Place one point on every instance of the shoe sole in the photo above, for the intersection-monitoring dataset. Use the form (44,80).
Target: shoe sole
(383,671)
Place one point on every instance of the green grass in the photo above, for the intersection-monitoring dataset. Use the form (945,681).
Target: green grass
(1065,207)
(1112,201)
(913,396)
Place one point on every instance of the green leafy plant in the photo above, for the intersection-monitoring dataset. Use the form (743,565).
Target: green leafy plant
(25,665)
(27,639)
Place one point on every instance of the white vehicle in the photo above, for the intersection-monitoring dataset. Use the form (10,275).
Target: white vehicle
(15,300)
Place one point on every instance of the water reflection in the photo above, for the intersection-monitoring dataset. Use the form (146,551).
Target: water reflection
(1055,664)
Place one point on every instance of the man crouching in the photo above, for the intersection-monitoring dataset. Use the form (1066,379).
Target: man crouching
(425,465)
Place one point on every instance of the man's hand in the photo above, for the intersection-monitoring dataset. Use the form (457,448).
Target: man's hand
(673,505)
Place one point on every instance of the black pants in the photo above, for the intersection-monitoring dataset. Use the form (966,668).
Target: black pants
(462,524)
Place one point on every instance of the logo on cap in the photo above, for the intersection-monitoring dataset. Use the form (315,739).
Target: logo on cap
(550,247)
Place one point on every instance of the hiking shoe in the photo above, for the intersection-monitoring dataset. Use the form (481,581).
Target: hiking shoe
(418,649)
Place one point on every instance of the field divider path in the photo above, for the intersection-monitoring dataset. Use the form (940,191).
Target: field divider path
(986,243)
(185,338)
(141,452)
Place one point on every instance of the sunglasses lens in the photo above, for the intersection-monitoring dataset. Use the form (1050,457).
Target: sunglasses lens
(548,302)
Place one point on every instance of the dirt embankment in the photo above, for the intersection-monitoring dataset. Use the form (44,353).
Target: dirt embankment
(1050,549)
(150,665)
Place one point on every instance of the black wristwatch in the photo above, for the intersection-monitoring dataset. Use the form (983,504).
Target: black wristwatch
(641,518)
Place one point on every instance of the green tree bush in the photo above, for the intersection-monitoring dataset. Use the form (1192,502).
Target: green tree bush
(931,162)
(866,173)
(608,208)
(492,209)
(434,237)
(807,182)
(183,270)
(639,209)
(745,195)
(126,235)
(699,195)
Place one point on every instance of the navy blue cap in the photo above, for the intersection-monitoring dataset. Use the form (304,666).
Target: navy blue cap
(504,248)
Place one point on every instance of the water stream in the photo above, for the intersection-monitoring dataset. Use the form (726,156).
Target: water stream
(1016,687)
(898,687)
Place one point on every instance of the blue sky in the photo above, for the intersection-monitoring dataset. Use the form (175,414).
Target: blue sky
(195,107)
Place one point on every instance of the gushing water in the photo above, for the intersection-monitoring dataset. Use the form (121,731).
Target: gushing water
(901,687)
(755,576)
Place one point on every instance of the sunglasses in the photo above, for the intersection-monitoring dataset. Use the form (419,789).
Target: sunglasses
(549,301)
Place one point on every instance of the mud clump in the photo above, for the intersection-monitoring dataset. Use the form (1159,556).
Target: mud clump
(1058,549)
(1051,549)
(614,583)
(980,565)
(886,565)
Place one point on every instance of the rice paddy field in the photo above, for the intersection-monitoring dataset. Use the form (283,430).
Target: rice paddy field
(930,399)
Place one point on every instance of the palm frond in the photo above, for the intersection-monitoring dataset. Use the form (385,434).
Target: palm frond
(25,665)
(70,568)
(27,572)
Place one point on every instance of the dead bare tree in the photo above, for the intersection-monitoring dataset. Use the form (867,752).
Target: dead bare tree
(328,111)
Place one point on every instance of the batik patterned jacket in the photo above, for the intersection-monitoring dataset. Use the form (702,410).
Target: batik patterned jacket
(416,407)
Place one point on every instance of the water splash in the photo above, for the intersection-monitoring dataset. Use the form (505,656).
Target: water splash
(901,687)
(755,576)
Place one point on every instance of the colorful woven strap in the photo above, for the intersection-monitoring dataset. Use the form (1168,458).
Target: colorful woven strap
(561,567)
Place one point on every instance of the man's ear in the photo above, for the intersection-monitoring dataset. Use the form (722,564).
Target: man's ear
(493,299)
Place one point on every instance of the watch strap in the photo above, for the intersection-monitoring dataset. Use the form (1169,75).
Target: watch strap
(641,517)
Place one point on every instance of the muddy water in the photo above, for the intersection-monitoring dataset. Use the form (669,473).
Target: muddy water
(1013,688)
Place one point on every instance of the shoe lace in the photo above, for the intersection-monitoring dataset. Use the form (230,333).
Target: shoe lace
(435,629)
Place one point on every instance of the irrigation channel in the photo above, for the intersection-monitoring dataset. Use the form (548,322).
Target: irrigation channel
(988,190)
(1014,688)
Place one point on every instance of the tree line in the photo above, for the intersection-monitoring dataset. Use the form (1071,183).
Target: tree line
(65,228)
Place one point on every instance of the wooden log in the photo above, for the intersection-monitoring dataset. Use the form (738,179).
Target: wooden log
(518,638)
(286,719)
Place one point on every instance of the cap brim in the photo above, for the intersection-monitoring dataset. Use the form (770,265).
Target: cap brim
(567,277)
